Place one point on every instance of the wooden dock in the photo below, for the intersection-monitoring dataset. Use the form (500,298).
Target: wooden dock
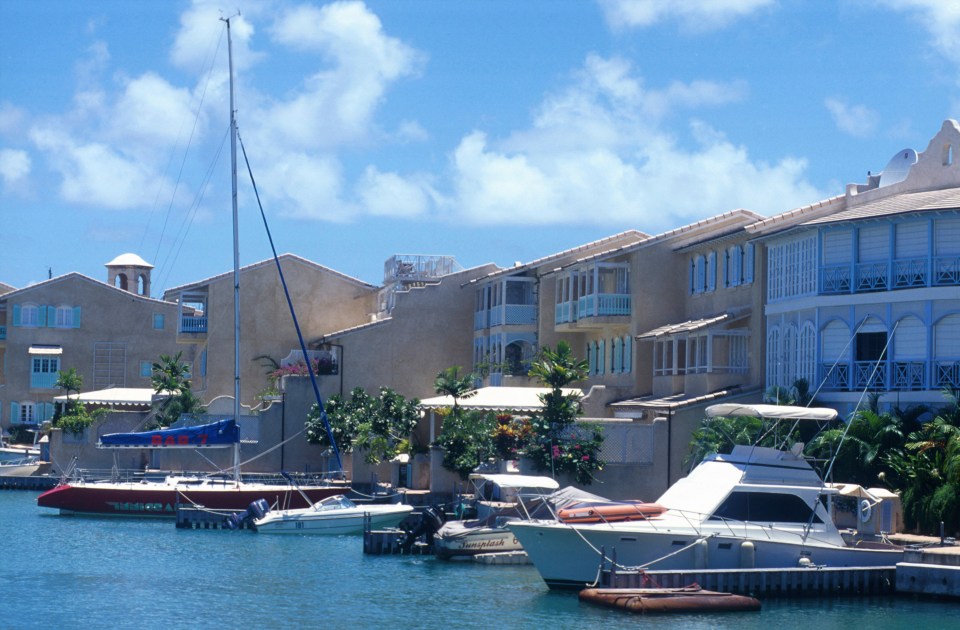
(785,582)
(37,482)
(190,517)
(392,542)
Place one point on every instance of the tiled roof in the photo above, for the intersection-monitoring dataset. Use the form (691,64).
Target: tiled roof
(943,199)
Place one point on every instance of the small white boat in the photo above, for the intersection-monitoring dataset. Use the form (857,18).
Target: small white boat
(24,467)
(499,499)
(333,515)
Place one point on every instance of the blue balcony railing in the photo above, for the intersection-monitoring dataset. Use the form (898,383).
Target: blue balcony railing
(189,324)
(902,273)
(902,376)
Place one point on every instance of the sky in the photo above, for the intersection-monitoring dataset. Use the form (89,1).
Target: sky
(493,131)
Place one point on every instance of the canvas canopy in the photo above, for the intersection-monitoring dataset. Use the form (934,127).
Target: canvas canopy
(214,435)
(516,481)
(772,412)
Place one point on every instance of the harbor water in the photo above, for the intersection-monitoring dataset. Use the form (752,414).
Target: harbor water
(59,572)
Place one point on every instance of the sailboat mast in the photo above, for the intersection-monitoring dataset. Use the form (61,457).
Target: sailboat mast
(236,258)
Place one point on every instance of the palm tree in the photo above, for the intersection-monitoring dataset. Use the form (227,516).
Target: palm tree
(171,377)
(558,368)
(449,382)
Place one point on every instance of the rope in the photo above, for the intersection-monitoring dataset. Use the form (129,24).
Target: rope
(293,314)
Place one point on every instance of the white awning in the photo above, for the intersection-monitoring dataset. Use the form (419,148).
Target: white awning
(774,412)
(497,399)
(693,325)
(45,350)
(133,396)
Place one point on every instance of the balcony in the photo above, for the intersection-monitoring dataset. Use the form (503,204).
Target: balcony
(513,315)
(193,324)
(904,273)
(892,376)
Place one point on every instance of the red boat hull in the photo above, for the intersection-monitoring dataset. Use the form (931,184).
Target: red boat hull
(160,499)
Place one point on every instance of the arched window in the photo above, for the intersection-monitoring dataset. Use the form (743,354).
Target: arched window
(946,352)
(773,356)
(806,353)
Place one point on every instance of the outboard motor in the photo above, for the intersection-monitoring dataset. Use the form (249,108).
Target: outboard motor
(254,511)
(431,520)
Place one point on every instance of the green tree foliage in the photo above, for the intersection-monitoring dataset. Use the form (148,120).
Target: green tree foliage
(467,440)
(379,427)
(170,378)
(556,443)
(74,417)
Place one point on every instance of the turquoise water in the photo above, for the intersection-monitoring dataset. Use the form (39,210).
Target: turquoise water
(60,572)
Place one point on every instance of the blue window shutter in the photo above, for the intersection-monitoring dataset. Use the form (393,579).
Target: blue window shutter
(14,412)
(76,317)
(726,268)
(203,363)
(16,314)
(712,271)
(628,354)
(748,265)
(46,412)
(41,315)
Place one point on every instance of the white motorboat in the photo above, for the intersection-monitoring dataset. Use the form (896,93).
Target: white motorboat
(754,508)
(333,515)
(24,467)
(498,499)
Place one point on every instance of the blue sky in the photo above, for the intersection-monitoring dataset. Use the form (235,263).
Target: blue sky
(490,130)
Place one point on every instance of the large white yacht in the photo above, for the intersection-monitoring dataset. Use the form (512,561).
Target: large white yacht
(756,507)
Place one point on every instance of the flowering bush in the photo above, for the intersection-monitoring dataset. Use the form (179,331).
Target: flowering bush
(322,365)
(510,436)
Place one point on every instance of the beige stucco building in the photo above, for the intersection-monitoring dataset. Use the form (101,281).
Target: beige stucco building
(323,300)
(111,336)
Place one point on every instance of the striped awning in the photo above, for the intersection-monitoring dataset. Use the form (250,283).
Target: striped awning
(684,327)
(497,399)
(45,350)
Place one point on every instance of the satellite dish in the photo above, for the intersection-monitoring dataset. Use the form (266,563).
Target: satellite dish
(897,168)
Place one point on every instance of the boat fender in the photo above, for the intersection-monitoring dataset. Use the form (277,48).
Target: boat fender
(748,555)
(866,511)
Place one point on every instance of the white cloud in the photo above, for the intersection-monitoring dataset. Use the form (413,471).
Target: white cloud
(11,119)
(941,18)
(150,113)
(14,166)
(855,120)
(693,15)
(390,195)
(335,106)
(201,27)
(306,186)
(95,174)
(604,151)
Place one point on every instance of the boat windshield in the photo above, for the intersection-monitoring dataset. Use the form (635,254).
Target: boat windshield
(337,502)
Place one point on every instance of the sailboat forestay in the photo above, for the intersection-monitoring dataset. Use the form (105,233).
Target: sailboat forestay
(160,498)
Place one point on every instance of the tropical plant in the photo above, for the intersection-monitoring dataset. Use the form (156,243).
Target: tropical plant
(467,440)
(74,416)
(555,442)
(170,378)
(451,383)
(798,394)
(379,427)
